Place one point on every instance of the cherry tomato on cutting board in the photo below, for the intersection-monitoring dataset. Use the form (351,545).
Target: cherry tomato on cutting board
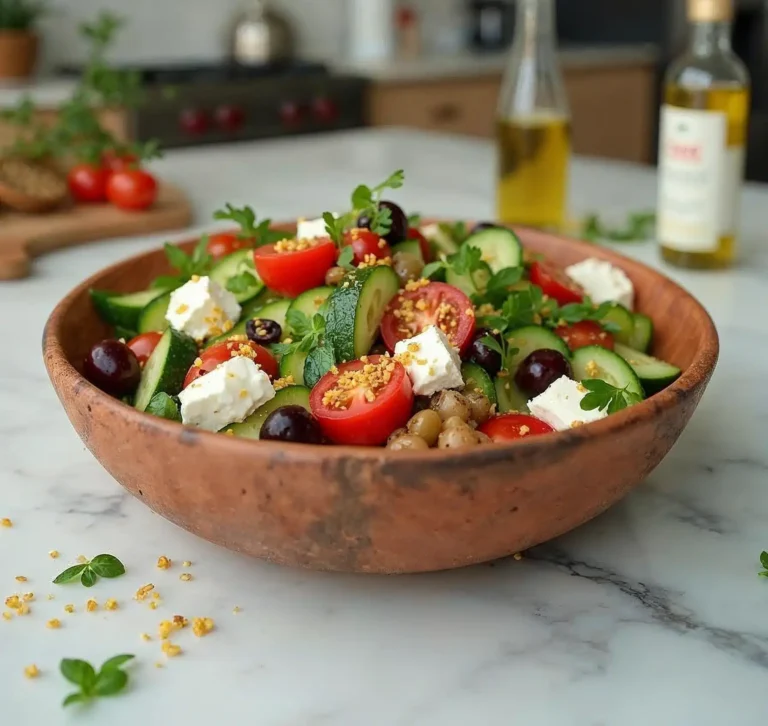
(144,345)
(217,354)
(88,183)
(116,161)
(587,332)
(359,421)
(365,243)
(132,189)
(291,273)
(555,283)
(225,243)
(412,311)
(426,251)
(513,426)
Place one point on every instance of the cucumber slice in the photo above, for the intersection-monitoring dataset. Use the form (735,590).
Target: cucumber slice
(318,363)
(411,247)
(509,397)
(477,378)
(596,362)
(123,310)
(354,313)
(500,247)
(470,284)
(232,265)
(654,374)
(290,396)
(293,365)
(265,297)
(166,368)
(276,311)
(642,333)
(624,320)
(440,237)
(152,318)
(531,338)
(311,302)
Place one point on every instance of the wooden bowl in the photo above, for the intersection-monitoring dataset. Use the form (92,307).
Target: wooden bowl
(375,510)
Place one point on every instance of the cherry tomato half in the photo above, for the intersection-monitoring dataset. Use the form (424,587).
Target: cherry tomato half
(132,189)
(291,273)
(513,426)
(555,283)
(144,345)
(225,243)
(356,420)
(366,243)
(426,250)
(412,311)
(217,354)
(587,332)
(116,161)
(88,183)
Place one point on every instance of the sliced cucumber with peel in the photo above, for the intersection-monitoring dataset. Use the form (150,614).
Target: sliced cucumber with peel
(251,427)
(311,302)
(654,374)
(500,248)
(293,365)
(123,310)
(166,368)
(642,333)
(470,283)
(509,397)
(596,362)
(152,318)
(230,266)
(477,378)
(354,313)
(624,322)
(531,338)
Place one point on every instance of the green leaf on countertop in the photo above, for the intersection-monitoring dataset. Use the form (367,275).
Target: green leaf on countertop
(764,563)
(109,681)
(70,574)
(79,672)
(88,578)
(89,572)
(107,566)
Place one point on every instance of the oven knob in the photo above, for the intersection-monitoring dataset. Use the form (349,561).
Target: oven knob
(194,121)
(325,110)
(291,113)
(230,118)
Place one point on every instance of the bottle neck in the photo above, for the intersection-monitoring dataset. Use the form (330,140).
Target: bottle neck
(711,38)
(535,25)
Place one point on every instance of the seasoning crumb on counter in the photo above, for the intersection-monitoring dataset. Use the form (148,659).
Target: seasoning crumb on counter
(153,605)
(32,671)
(91,605)
(5,522)
(155,595)
(50,596)
(146,637)
(81,559)
(7,615)
(159,665)
(237,609)
(111,604)
(69,608)
(21,578)
(185,577)
(53,554)
(143,591)
(53,624)
(23,610)
(163,562)
(13,602)
(28,596)
(170,649)
(186,563)
(202,626)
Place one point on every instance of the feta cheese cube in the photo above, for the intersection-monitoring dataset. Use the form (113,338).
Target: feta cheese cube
(202,309)
(431,362)
(228,394)
(560,406)
(603,282)
(312,228)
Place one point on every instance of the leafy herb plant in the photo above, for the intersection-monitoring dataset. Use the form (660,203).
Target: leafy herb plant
(108,681)
(89,572)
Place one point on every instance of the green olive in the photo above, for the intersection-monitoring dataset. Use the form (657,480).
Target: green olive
(479,406)
(407,442)
(407,266)
(454,422)
(426,424)
(449,404)
(457,438)
(334,276)
(396,434)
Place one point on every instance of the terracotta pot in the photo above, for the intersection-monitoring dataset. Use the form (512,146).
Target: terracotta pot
(375,510)
(18,53)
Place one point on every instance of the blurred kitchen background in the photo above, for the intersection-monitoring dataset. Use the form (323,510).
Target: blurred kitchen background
(431,64)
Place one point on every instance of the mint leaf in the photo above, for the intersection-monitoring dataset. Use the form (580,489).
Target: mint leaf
(115,662)
(764,559)
(242,282)
(298,323)
(88,578)
(163,406)
(70,574)
(107,566)
(79,672)
(110,681)
(432,268)
(75,698)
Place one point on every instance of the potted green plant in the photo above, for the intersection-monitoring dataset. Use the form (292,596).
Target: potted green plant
(18,39)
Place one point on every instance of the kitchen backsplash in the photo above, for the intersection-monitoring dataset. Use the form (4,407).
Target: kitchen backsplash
(183,30)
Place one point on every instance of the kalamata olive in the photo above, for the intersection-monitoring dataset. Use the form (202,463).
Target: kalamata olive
(399,230)
(426,424)
(263,331)
(334,276)
(449,404)
(485,357)
(480,226)
(540,370)
(113,367)
(407,442)
(291,423)
(479,406)
(407,266)
(457,438)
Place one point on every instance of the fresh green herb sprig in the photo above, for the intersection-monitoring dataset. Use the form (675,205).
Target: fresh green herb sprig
(199,262)
(521,308)
(638,227)
(108,681)
(603,396)
(164,406)
(764,563)
(366,200)
(502,347)
(335,228)
(346,257)
(456,231)
(464,262)
(258,234)
(309,333)
(414,220)
(579,312)
(89,572)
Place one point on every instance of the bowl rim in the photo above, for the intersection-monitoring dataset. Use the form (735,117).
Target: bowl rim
(697,374)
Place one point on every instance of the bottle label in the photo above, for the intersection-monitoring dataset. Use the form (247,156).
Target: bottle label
(699,180)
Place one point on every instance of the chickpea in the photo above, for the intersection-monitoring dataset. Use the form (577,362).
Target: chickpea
(457,438)
(334,276)
(450,403)
(454,422)
(407,266)
(483,438)
(426,424)
(479,406)
(397,433)
(408,442)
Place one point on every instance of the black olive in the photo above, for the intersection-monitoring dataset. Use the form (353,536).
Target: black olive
(263,331)
(291,423)
(540,370)
(113,367)
(399,230)
(482,355)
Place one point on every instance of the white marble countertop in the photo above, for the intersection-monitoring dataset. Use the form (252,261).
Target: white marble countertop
(651,614)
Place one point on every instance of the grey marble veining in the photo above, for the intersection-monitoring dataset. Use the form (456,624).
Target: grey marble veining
(651,614)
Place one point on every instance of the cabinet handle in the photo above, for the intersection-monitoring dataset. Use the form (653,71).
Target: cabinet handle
(446,113)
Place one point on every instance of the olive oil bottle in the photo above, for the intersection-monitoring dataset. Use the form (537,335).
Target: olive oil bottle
(704,121)
(533,128)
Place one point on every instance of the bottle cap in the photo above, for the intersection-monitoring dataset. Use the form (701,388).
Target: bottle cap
(710,11)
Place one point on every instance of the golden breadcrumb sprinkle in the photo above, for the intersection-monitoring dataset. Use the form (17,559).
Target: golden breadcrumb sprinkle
(81,559)
(372,261)
(298,245)
(21,578)
(32,671)
(13,602)
(284,382)
(23,610)
(185,577)
(49,596)
(7,615)
(146,637)
(170,649)
(237,609)
(368,380)
(153,604)
(91,605)
(525,430)
(163,562)
(143,591)
(159,665)
(53,554)
(179,622)
(413,285)
(111,604)
(69,608)
(186,563)
(593,371)
(6,522)
(53,624)
(202,626)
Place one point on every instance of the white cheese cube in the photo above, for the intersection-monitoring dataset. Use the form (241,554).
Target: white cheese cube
(202,309)
(228,394)
(603,282)
(431,362)
(312,228)
(560,406)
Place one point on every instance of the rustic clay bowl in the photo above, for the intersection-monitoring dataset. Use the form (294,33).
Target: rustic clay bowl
(374,510)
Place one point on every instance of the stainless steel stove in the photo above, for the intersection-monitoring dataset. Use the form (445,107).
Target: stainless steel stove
(189,105)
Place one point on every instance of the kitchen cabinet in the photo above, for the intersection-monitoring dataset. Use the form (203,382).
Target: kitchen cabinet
(613,107)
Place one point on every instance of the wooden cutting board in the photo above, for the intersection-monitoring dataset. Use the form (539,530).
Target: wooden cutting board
(26,236)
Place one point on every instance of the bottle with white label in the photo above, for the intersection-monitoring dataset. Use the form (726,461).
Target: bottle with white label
(703,140)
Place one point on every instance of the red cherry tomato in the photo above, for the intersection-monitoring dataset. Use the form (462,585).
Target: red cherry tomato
(115,161)
(225,243)
(291,273)
(366,243)
(411,312)
(217,354)
(144,345)
(88,183)
(587,332)
(555,283)
(512,426)
(426,250)
(355,420)
(132,189)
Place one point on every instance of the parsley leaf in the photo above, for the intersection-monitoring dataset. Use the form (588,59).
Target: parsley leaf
(245,218)
(309,331)
(109,681)
(197,263)
(346,257)
(499,287)
(367,201)
(579,312)
(764,563)
(242,282)
(638,227)
(163,406)
(603,396)
(414,220)
(335,228)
